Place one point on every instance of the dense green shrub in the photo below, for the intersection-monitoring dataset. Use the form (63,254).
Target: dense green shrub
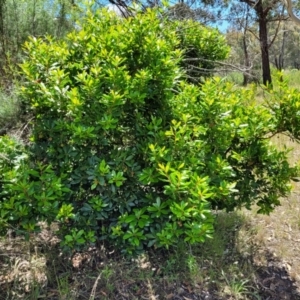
(29,191)
(125,150)
(100,99)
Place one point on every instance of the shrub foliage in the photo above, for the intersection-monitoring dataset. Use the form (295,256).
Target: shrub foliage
(126,150)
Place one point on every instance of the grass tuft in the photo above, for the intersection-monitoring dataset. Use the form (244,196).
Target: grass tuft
(9,109)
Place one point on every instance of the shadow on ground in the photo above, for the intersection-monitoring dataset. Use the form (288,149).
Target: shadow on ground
(230,266)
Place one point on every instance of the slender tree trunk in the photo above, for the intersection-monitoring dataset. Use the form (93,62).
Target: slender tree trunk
(281,56)
(279,62)
(2,37)
(245,48)
(61,19)
(16,23)
(2,30)
(247,61)
(33,21)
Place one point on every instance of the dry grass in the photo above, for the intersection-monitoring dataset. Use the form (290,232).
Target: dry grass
(278,235)
(250,257)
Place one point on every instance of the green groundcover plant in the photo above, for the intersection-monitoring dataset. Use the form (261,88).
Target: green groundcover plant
(126,150)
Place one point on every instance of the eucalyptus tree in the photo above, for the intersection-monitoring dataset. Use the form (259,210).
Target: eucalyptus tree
(267,11)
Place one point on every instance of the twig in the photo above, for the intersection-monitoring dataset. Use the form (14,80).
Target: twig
(220,63)
(93,292)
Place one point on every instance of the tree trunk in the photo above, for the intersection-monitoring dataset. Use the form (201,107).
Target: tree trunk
(279,61)
(3,37)
(2,30)
(247,61)
(246,74)
(263,38)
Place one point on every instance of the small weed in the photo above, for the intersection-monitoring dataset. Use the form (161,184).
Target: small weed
(63,286)
(192,264)
(107,273)
(170,266)
(236,287)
